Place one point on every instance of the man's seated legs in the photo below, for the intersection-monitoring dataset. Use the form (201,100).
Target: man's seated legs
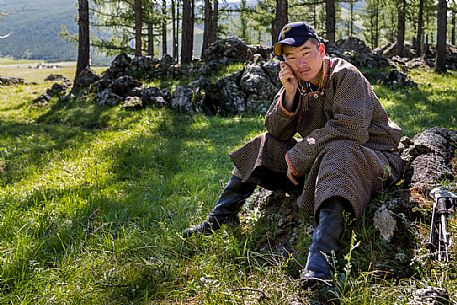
(326,239)
(227,207)
(236,192)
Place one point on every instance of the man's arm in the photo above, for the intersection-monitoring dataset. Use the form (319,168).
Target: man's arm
(352,114)
(279,121)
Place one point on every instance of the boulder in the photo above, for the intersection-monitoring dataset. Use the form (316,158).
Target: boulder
(430,296)
(143,67)
(429,156)
(232,97)
(132,103)
(155,97)
(124,85)
(84,80)
(182,100)
(231,48)
(356,52)
(108,98)
(119,67)
(42,100)
(56,78)
(11,81)
(396,78)
(256,84)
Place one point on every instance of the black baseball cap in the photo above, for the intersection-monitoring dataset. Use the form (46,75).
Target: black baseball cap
(294,34)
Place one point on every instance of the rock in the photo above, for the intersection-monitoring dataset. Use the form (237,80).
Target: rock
(256,84)
(417,63)
(155,97)
(395,79)
(231,48)
(11,81)
(166,62)
(352,44)
(384,222)
(182,99)
(108,98)
(143,67)
(430,296)
(429,156)
(55,78)
(389,50)
(124,85)
(356,52)
(132,102)
(119,67)
(59,89)
(234,99)
(84,80)
(272,70)
(42,100)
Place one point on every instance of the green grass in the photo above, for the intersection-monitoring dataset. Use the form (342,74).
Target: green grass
(93,200)
(12,61)
(23,69)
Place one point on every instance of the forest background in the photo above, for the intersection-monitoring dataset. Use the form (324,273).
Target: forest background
(38,33)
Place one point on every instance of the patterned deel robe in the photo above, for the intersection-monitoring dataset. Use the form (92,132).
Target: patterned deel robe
(348,146)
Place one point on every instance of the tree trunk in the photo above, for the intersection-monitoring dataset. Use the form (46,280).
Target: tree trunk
(243,22)
(164,28)
(453,28)
(174,28)
(420,30)
(330,20)
(280,20)
(177,30)
(207,24)
(400,48)
(214,22)
(187,32)
(441,33)
(351,19)
(151,39)
(83,40)
(138,26)
(376,40)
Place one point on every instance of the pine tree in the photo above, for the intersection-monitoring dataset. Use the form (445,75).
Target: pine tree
(83,39)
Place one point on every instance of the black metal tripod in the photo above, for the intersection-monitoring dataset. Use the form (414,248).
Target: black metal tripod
(444,205)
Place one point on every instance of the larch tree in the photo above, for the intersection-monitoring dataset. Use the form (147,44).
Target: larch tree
(138,28)
(83,38)
(441,37)
(280,20)
(187,36)
(330,20)
(401,24)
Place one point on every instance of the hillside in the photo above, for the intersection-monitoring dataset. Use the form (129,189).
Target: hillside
(35,26)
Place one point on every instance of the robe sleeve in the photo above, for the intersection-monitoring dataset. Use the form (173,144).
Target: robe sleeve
(279,122)
(352,110)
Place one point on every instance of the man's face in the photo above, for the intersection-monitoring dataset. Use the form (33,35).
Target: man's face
(305,60)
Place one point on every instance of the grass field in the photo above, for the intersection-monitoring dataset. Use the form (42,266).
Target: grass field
(27,69)
(93,200)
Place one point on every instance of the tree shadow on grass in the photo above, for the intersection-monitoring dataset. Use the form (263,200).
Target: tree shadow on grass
(23,147)
(414,109)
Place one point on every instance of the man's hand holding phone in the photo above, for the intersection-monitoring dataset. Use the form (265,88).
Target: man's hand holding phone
(290,83)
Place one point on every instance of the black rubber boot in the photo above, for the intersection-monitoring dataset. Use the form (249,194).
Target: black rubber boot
(227,207)
(326,238)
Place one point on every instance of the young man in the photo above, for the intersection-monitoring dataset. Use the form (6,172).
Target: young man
(348,151)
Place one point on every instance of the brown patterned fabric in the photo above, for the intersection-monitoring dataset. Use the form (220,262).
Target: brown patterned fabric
(348,148)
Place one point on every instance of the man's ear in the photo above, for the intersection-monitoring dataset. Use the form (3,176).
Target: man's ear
(322,49)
